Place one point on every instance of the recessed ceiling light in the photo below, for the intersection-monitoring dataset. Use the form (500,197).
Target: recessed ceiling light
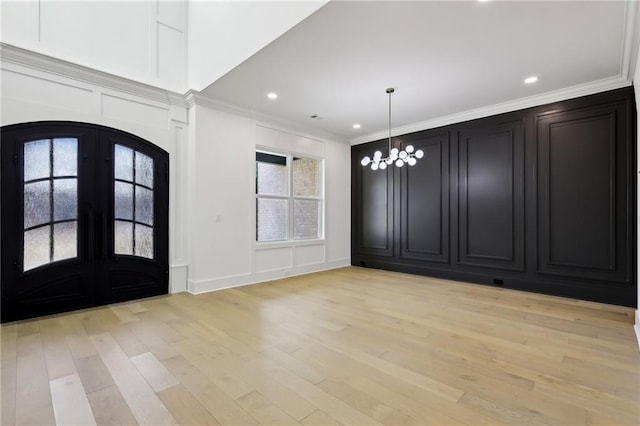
(272,95)
(531,79)
(356,126)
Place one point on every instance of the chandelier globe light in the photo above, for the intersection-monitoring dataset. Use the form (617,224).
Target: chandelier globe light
(398,157)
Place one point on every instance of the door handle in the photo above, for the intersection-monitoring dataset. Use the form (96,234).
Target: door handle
(99,237)
(88,240)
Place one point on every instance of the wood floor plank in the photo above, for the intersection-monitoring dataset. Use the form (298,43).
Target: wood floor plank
(70,403)
(438,388)
(225,410)
(338,409)
(319,418)
(263,410)
(156,374)
(93,373)
(109,407)
(144,403)
(57,352)
(366,404)
(33,397)
(8,370)
(225,380)
(185,407)
(257,377)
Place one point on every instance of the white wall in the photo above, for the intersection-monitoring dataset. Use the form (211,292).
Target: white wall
(39,91)
(222,34)
(222,183)
(140,40)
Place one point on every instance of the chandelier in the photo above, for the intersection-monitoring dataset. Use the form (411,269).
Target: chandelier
(394,156)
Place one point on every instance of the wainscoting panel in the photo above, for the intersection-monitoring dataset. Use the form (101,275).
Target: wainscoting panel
(374,221)
(582,193)
(491,196)
(424,201)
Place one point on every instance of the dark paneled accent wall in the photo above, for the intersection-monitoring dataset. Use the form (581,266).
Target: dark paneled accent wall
(540,200)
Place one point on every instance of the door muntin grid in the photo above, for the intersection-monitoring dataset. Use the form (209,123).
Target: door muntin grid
(133,203)
(50,201)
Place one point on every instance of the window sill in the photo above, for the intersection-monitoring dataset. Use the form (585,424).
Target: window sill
(285,244)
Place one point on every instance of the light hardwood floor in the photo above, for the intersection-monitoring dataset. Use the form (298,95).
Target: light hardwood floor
(351,346)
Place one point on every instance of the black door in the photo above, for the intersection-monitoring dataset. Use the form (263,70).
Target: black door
(84,218)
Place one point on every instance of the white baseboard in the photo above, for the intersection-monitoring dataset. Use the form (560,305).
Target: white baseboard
(178,278)
(205,286)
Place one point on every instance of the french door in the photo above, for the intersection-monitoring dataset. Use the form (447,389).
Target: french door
(84,218)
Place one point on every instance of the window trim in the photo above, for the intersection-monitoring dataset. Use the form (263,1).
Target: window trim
(290,197)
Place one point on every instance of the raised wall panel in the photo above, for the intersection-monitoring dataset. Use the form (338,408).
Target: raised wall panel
(309,255)
(373,225)
(170,50)
(112,36)
(424,202)
(581,229)
(308,146)
(491,197)
(28,88)
(128,110)
(274,259)
(267,137)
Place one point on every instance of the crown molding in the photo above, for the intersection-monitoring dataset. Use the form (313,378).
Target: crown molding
(195,98)
(15,55)
(501,108)
(631,40)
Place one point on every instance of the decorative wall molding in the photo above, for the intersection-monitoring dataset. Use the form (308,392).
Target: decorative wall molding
(27,58)
(501,108)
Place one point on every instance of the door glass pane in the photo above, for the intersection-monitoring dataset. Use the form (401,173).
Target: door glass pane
(123,163)
(65,241)
(123,237)
(144,170)
(144,241)
(37,162)
(144,205)
(37,203)
(272,219)
(65,157)
(306,177)
(306,219)
(36,247)
(123,200)
(65,199)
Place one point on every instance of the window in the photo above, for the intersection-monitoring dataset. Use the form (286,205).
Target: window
(288,197)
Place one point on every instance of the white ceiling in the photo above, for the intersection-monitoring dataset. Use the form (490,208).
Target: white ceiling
(443,58)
